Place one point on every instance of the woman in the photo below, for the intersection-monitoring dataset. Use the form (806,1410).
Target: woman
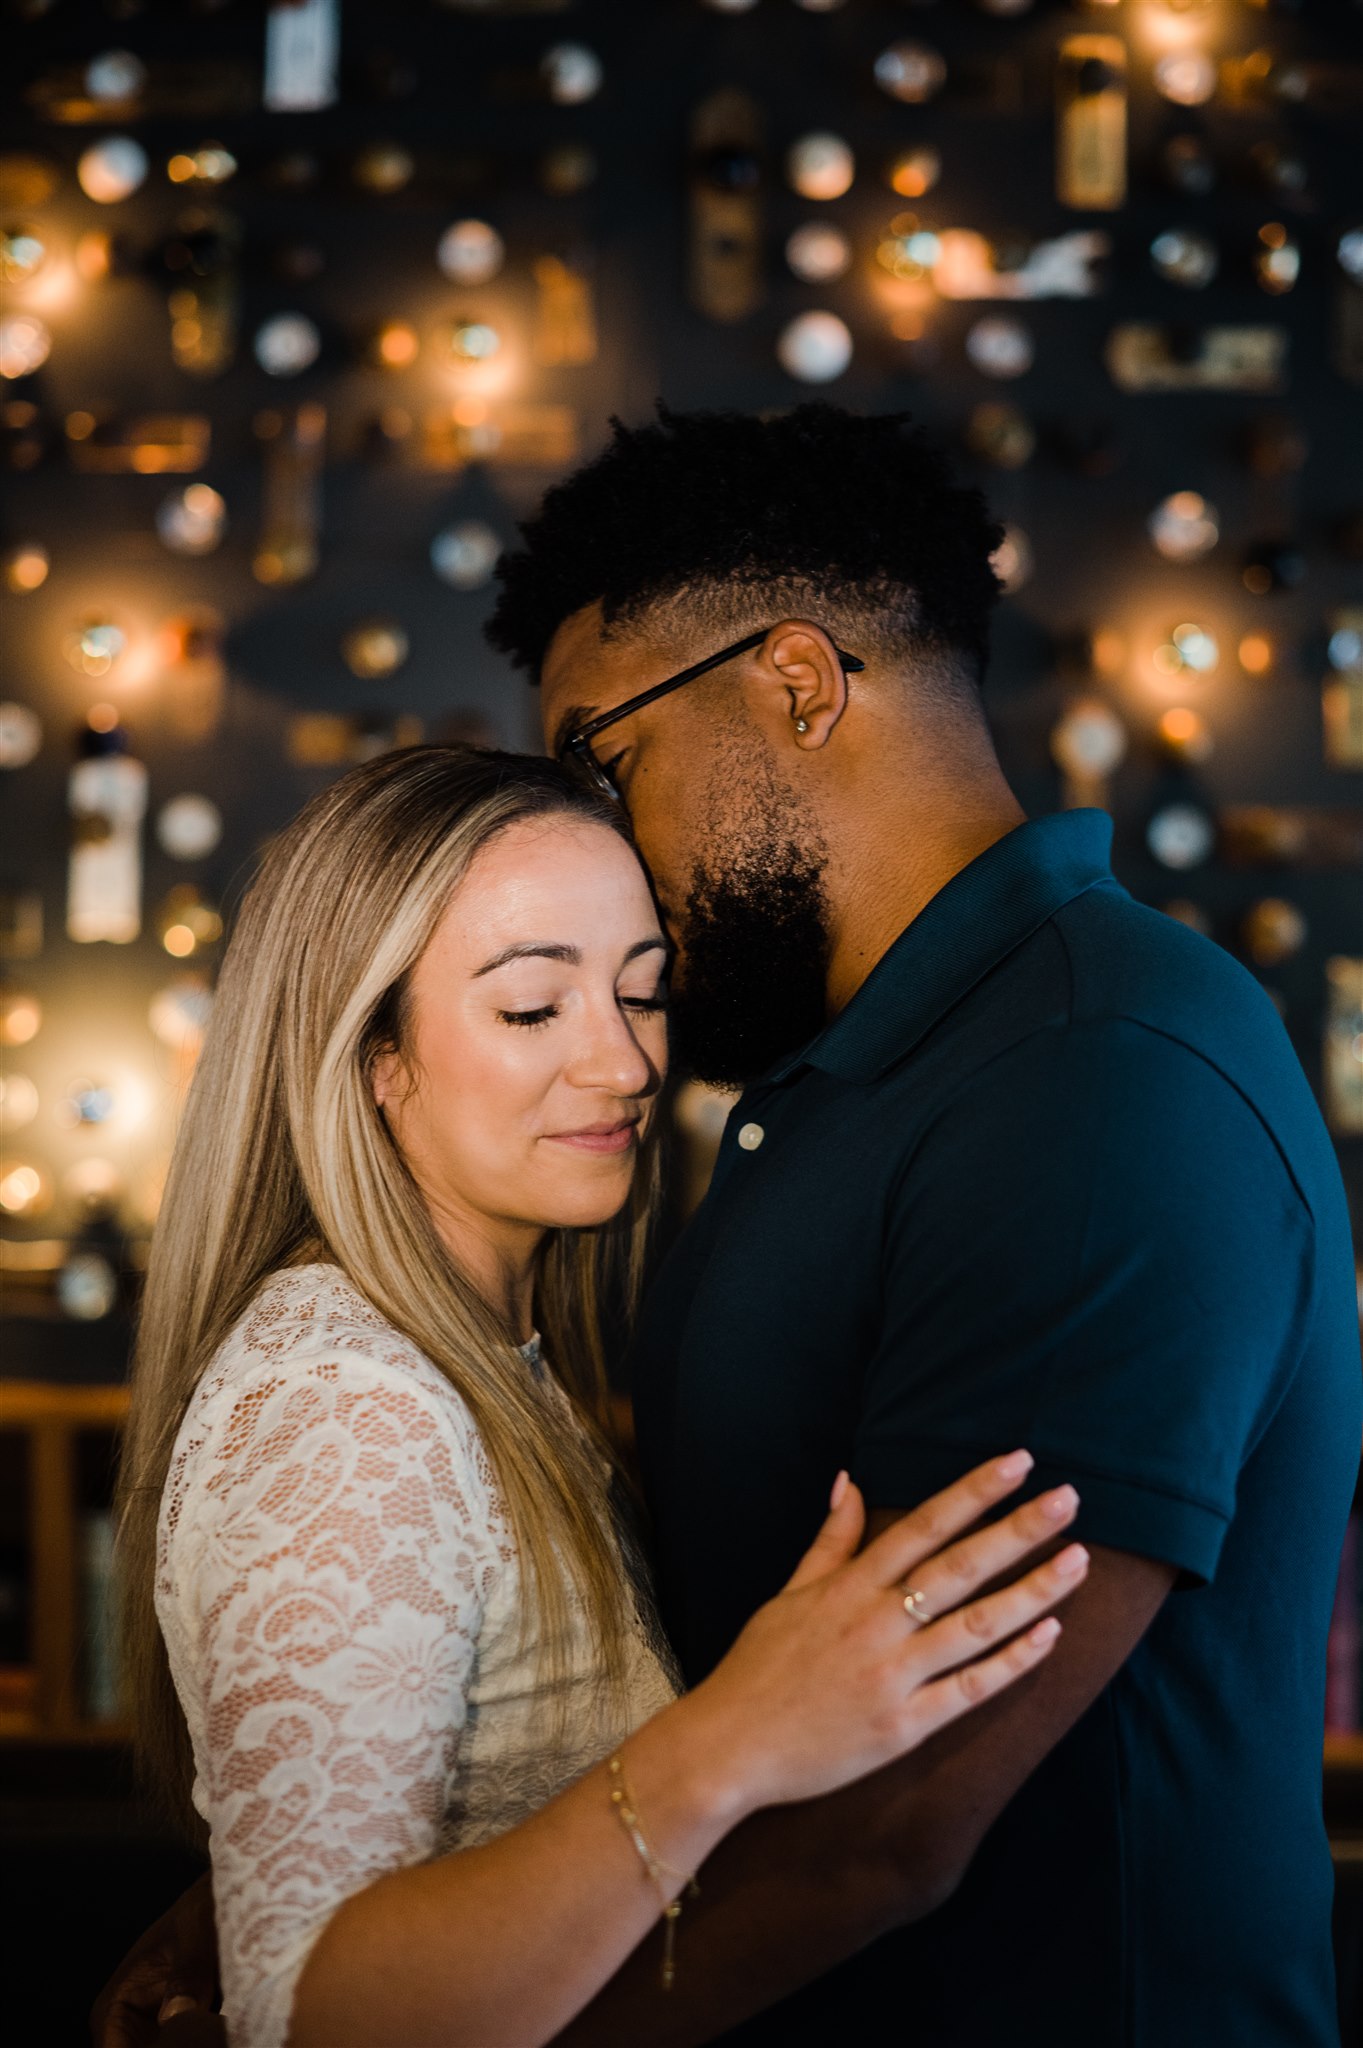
(384,1633)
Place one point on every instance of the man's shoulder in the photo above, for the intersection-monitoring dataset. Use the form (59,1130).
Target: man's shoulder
(1127,960)
(1115,1019)
(1106,971)
(1133,965)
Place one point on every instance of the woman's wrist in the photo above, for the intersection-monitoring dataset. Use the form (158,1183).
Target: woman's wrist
(709,1763)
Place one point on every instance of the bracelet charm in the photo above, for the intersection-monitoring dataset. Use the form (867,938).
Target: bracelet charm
(622,1799)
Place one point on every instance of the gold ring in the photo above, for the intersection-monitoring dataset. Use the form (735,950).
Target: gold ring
(916,1608)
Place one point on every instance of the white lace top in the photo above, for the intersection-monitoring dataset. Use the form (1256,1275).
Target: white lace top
(341,1604)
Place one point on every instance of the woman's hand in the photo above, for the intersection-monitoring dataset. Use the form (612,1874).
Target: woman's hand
(836,1676)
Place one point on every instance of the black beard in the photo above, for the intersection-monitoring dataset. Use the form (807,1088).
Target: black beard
(756,947)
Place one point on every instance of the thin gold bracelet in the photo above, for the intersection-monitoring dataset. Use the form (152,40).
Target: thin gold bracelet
(622,1799)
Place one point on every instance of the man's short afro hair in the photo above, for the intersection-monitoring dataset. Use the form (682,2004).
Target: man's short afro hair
(862,511)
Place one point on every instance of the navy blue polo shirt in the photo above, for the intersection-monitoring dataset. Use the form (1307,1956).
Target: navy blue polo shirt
(1054,1177)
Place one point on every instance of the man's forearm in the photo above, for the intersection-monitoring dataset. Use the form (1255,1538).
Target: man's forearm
(774,1913)
(798,1889)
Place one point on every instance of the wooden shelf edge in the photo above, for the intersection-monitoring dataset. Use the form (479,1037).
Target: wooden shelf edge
(28,1729)
(29,1401)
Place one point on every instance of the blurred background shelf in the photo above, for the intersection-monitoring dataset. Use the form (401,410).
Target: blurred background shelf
(1344,1753)
(63,1685)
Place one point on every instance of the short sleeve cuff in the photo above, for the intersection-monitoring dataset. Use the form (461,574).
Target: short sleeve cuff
(1121,1513)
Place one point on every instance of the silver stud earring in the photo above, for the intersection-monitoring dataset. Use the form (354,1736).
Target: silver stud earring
(802,725)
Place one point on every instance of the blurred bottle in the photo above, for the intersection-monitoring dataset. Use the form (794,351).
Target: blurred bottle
(107,800)
(201,258)
(1090,168)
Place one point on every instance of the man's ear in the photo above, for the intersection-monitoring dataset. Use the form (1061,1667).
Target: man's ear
(803,661)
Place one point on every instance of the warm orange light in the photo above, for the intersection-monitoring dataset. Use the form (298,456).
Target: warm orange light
(101,717)
(211,165)
(54,287)
(21,1018)
(1185,734)
(80,426)
(186,922)
(397,345)
(25,345)
(18,1101)
(820,166)
(94,256)
(1256,654)
(20,1189)
(915,172)
(26,568)
(1107,651)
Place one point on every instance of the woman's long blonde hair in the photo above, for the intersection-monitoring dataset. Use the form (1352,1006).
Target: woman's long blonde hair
(283,1157)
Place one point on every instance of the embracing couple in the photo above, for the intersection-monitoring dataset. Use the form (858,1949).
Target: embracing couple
(1025,1228)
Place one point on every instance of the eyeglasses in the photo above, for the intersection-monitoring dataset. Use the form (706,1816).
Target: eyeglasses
(576,750)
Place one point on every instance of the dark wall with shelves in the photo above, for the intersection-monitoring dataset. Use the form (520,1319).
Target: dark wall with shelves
(456,88)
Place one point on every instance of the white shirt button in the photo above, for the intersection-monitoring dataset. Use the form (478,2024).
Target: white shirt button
(751,1136)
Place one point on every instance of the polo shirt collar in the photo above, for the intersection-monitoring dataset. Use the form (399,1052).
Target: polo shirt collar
(982,914)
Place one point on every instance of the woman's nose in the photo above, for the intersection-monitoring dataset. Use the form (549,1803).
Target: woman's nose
(611,1057)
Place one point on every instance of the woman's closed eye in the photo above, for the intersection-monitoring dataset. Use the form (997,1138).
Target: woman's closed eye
(528,1020)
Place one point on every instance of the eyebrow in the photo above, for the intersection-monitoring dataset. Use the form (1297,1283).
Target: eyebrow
(570,955)
(573,717)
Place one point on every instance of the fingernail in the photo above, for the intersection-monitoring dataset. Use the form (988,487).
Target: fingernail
(1071,1561)
(839,1493)
(1059,1504)
(1016,1465)
(1045,1632)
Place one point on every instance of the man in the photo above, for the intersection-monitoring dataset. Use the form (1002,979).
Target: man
(1051,1175)
(1018,1162)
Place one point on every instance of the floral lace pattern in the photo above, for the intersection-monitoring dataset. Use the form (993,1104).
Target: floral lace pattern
(342,1605)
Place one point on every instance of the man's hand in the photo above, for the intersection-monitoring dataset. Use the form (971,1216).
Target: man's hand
(170,1975)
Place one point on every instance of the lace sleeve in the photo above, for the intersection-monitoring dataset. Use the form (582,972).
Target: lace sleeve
(331,1537)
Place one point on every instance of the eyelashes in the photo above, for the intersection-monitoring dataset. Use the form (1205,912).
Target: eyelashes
(532,1020)
(529,1020)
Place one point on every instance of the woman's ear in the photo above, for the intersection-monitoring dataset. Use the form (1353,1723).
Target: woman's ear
(387,1078)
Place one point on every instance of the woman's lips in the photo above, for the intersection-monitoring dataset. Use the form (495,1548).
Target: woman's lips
(599,1138)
